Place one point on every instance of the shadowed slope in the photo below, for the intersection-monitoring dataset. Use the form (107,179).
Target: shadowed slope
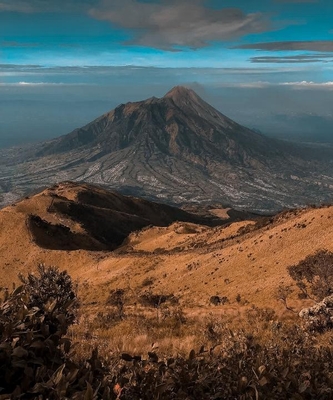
(194,262)
(90,218)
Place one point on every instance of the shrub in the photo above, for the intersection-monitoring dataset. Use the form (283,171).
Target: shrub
(156,300)
(34,354)
(117,300)
(243,370)
(217,300)
(54,289)
(319,317)
(315,272)
(36,359)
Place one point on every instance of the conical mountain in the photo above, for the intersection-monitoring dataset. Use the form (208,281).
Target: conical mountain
(178,124)
(177,149)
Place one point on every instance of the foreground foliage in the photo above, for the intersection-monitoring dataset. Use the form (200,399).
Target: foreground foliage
(37,360)
(35,355)
(314,278)
(314,275)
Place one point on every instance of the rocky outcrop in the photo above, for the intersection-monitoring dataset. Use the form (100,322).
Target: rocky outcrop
(320,316)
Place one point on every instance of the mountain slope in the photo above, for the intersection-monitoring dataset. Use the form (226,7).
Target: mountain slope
(178,149)
(69,216)
(178,124)
(192,261)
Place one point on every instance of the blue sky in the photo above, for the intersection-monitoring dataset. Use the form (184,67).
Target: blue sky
(165,33)
(280,50)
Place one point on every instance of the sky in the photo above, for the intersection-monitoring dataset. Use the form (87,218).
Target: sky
(268,64)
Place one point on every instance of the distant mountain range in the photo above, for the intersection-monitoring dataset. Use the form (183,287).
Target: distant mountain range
(177,149)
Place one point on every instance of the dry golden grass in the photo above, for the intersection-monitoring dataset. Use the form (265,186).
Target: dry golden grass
(190,261)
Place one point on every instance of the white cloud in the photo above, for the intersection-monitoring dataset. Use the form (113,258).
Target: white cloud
(23,83)
(310,84)
(266,84)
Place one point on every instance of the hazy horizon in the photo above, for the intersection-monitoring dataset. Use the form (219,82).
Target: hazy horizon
(46,103)
(265,64)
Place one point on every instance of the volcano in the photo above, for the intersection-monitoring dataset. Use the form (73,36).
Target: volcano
(177,149)
(180,125)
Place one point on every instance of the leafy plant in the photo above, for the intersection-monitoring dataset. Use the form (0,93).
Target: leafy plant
(53,289)
(37,359)
(35,356)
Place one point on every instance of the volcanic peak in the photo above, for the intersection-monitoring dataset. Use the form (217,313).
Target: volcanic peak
(179,95)
(180,91)
(180,149)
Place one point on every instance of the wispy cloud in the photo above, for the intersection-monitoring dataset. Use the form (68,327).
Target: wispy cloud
(19,66)
(7,43)
(297,1)
(310,45)
(265,84)
(303,58)
(26,69)
(38,83)
(173,24)
(32,84)
(33,6)
(249,85)
(310,85)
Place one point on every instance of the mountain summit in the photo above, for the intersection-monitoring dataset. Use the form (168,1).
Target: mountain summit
(178,149)
(178,124)
(182,93)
